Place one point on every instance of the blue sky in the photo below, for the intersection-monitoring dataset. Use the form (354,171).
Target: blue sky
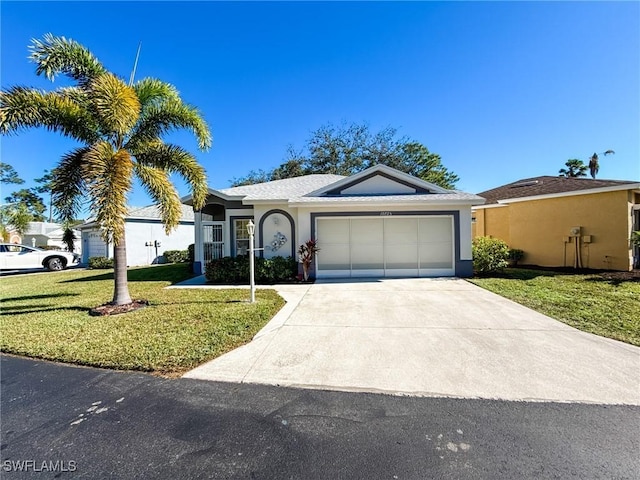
(502,91)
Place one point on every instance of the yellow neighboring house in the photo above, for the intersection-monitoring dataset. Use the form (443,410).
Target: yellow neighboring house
(564,222)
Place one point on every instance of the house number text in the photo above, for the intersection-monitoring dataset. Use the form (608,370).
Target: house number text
(385,214)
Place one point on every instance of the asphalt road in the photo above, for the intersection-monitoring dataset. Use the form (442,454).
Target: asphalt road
(102,424)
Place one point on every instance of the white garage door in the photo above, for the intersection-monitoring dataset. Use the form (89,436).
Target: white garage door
(385,247)
(96,246)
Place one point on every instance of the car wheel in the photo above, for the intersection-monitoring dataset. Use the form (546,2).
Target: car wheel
(55,264)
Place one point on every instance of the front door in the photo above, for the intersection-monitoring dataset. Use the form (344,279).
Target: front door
(213,241)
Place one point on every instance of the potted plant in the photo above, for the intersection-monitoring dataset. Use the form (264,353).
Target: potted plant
(515,255)
(306,253)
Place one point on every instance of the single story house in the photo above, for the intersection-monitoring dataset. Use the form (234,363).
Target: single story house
(44,234)
(377,223)
(564,222)
(145,236)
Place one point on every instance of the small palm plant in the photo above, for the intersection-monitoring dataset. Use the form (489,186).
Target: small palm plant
(306,253)
(119,126)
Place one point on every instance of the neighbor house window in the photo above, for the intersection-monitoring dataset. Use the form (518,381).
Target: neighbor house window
(241,236)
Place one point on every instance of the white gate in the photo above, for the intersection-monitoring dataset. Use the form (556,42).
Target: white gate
(213,241)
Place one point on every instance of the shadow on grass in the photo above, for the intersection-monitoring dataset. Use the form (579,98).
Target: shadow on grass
(173,273)
(36,309)
(38,297)
(615,278)
(520,274)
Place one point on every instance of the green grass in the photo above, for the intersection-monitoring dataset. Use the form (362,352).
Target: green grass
(46,316)
(590,303)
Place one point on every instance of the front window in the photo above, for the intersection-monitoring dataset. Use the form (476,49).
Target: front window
(241,236)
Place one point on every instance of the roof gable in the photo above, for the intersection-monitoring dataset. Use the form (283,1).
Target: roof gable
(379,180)
(548,185)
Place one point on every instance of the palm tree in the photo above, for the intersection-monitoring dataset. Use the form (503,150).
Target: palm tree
(575,168)
(594,165)
(120,128)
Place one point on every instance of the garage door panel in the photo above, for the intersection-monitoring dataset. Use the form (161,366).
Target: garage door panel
(401,258)
(367,257)
(334,257)
(366,231)
(333,230)
(435,255)
(398,231)
(435,230)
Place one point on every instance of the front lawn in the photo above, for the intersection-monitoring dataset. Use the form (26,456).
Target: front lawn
(595,303)
(46,316)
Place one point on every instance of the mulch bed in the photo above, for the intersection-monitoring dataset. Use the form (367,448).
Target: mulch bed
(110,309)
(632,276)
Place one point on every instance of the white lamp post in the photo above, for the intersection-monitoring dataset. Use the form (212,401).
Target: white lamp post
(251,228)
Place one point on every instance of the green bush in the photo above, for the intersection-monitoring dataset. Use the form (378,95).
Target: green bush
(176,256)
(230,270)
(191,254)
(490,255)
(100,262)
(515,255)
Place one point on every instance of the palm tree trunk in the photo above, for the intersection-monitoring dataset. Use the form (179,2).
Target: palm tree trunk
(121,289)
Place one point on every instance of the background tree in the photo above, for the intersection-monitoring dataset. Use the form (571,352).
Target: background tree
(8,174)
(575,168)
(594,164)
(120,128)
(45,185)
(32,202)
(349,149)
(13,216)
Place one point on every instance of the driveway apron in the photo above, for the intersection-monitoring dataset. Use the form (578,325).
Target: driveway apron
(428,337)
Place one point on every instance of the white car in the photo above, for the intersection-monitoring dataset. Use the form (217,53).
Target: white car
(17,257)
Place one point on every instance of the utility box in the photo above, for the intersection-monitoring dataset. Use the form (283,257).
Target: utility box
(587,239)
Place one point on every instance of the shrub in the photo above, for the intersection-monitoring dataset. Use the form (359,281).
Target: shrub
(191,254)
(515,255)
(176,256)
(490,255)
(235,270)
(50,247)
(100,262)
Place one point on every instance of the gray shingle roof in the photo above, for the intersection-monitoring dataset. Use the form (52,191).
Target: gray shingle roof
(153,212)
(545,185)
(296,190)
(283,189)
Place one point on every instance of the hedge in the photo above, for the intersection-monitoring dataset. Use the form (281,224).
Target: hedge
(100,262)
(176,256)
(235,270)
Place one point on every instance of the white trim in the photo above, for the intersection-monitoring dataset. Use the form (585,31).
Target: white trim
(615,188)
(381,203)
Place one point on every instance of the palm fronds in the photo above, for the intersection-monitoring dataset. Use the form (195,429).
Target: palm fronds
(68,184)
(159,187)
(156,120)
(58,55)
(174,159)
(108,175)
(114,103)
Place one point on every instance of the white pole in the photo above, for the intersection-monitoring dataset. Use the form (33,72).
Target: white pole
(252,285)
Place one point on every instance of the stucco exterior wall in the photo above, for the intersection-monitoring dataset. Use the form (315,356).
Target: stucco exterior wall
(140,232)
(542,229)
(494,222)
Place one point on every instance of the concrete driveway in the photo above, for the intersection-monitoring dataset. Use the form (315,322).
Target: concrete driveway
(428,337)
